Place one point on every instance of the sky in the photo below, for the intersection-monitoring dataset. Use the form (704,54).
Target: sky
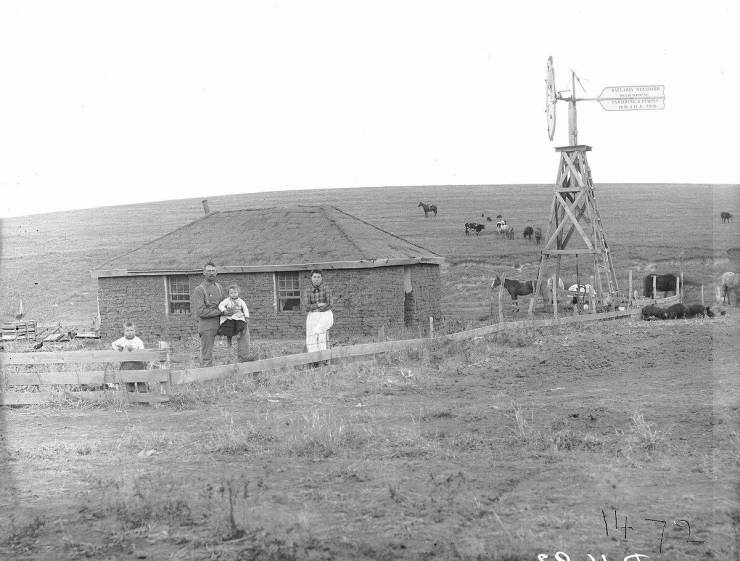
(107,103)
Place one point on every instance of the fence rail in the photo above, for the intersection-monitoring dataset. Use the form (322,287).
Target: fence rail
(82,357)
(156,380)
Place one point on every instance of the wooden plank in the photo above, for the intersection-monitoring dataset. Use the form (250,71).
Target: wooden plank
(276,363)
(75,357)
(583,251)
(105,395)
(89,378)
(24,398)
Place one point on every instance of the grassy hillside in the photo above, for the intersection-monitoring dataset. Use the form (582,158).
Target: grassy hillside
(46,259)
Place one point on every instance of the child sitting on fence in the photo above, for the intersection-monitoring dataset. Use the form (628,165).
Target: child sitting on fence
(130,342)
(234,314)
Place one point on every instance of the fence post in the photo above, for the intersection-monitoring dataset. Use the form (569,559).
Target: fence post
(630,302)
(164,387)
(431,327)
(592,294)
(702,295)
(655,288)
(500,310)
(683,289)
(554,297)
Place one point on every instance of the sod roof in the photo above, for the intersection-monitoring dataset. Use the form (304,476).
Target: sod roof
(275,238)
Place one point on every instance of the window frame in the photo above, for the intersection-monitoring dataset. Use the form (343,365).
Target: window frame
(284,293)
(175,304)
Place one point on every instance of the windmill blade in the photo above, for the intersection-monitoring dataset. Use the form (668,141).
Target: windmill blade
(550,98)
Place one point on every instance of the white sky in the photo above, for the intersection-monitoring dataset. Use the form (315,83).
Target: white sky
(105,103)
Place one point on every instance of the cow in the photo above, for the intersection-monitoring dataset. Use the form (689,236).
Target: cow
(677,311)
(538,235)
(489,219)
(528,233)
(697,310)
(473,226)
(663,283)
(725,216)
(651,311)
(515,288)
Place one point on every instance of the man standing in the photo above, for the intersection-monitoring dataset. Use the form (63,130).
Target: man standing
(206,298)
(319,318)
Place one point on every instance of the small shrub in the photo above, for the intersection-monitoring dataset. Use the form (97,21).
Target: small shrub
(645,437)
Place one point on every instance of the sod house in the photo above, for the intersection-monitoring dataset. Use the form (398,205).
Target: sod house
(376,278)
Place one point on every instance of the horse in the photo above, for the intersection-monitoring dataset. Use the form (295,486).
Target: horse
(528,233)
(538,235)
(725,216)
(428,207)
(729,282)
(663,283)
(515,288)
(473,226)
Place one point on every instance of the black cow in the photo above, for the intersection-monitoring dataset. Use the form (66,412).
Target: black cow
(725,216)
(677,311)
(474,226)
(663,283)
(697,310)
(488,219)
(651,311)
(528,233)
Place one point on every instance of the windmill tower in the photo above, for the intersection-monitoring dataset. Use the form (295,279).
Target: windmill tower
(575,228)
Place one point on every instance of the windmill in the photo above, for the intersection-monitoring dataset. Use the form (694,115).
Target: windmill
(575,228)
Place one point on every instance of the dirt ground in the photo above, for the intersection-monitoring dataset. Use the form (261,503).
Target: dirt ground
(504,447)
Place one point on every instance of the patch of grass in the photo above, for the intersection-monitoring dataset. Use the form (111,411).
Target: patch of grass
(236,438)
(21,532)
(320,433)
(512,338)
(644,436)
(57,450)
(136,437)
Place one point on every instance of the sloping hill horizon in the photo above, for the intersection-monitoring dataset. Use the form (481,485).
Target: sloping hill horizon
(47,258)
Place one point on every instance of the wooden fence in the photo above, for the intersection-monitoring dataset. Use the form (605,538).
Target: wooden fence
(160,380)
(73,383)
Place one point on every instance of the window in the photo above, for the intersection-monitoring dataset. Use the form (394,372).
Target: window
(288,292)
(178,295)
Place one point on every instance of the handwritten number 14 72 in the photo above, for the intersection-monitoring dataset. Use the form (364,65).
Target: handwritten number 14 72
(681,523)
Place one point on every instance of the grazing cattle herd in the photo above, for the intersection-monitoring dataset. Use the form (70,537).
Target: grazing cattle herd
(728,284)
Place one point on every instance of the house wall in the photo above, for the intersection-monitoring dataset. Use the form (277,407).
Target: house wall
(363,300)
